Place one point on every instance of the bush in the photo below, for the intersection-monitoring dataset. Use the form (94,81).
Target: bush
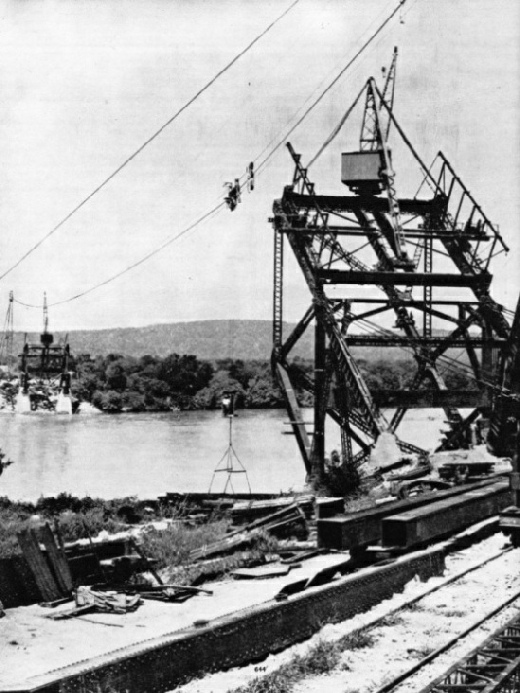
(172,546)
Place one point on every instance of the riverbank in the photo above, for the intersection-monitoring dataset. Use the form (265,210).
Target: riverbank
(265,622)
(169,532)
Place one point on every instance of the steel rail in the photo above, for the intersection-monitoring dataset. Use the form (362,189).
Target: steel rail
(418,597)
(400,678)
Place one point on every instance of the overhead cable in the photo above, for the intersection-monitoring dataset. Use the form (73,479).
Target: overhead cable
(380,28)
(217,208)
(149,255)
(337,129)
(150,139)
(448,362)
(222,204)
(322,82)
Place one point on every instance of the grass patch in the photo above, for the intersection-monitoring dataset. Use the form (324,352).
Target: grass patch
(421,652)
(391,620)
(172,547)
(321,659)
(80,518)
(357,640)
(416,607)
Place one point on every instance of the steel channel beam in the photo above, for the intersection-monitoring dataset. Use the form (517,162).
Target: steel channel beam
(414,304)
(352,203)
(431,399)
(448,342)
(408,233)
(437,520)
(403,278)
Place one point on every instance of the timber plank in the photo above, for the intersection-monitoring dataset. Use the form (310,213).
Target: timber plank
(363,527)
(57,559)
(437,520)
(38,565)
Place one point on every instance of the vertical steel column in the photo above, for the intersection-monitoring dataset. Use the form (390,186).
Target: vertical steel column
(278,291)
(427,293)
(487,354)
(320,397)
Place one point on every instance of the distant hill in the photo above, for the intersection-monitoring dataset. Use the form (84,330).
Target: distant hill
(207,339)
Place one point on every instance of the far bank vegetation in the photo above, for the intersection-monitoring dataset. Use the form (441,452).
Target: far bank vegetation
(118,383)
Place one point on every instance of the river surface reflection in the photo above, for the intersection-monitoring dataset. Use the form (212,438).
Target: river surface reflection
(150,454)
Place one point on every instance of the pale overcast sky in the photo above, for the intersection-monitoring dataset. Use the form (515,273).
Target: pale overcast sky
(84,83)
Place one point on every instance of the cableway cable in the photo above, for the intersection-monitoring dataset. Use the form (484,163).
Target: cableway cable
(142,260)
(324,81)
(222,204)
(344,118)
(149,140)
(331,84)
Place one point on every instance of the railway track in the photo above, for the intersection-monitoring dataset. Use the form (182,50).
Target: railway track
(456,615)
(492,667)
(407,681)
(410,644)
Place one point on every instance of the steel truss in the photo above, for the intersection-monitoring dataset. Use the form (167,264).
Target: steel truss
(446,229)
(493,667)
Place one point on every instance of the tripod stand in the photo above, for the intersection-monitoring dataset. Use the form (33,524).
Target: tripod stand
(230,464)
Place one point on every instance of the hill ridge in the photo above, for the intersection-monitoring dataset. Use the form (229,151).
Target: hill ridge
(207,339)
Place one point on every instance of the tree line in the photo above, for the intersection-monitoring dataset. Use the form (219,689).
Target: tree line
(116,383)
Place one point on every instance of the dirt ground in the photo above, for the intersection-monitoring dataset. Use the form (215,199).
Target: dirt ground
(31,645)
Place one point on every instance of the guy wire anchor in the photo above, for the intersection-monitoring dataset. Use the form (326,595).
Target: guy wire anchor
(228,460)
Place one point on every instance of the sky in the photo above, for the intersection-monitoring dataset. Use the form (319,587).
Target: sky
(84,83)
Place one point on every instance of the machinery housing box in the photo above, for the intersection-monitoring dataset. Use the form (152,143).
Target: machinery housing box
(361,168)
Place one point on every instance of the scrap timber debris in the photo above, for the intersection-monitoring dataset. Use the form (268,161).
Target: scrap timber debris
(100,575)
(89,600)
(277,523)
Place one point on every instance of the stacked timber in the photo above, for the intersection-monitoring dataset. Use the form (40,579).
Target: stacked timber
(444,517)
(355,531)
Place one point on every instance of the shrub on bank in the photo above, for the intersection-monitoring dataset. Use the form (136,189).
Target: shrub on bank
(78,518)
(172,546)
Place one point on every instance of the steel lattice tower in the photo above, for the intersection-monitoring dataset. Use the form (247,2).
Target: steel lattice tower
(421,247)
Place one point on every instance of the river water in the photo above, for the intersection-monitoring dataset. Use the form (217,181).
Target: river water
(149,454)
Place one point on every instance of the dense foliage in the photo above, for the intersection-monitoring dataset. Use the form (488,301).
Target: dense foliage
(118,383)
(150,383)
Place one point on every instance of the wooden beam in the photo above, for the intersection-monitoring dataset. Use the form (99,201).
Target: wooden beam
(57,560)
(38,565)
(444,517)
